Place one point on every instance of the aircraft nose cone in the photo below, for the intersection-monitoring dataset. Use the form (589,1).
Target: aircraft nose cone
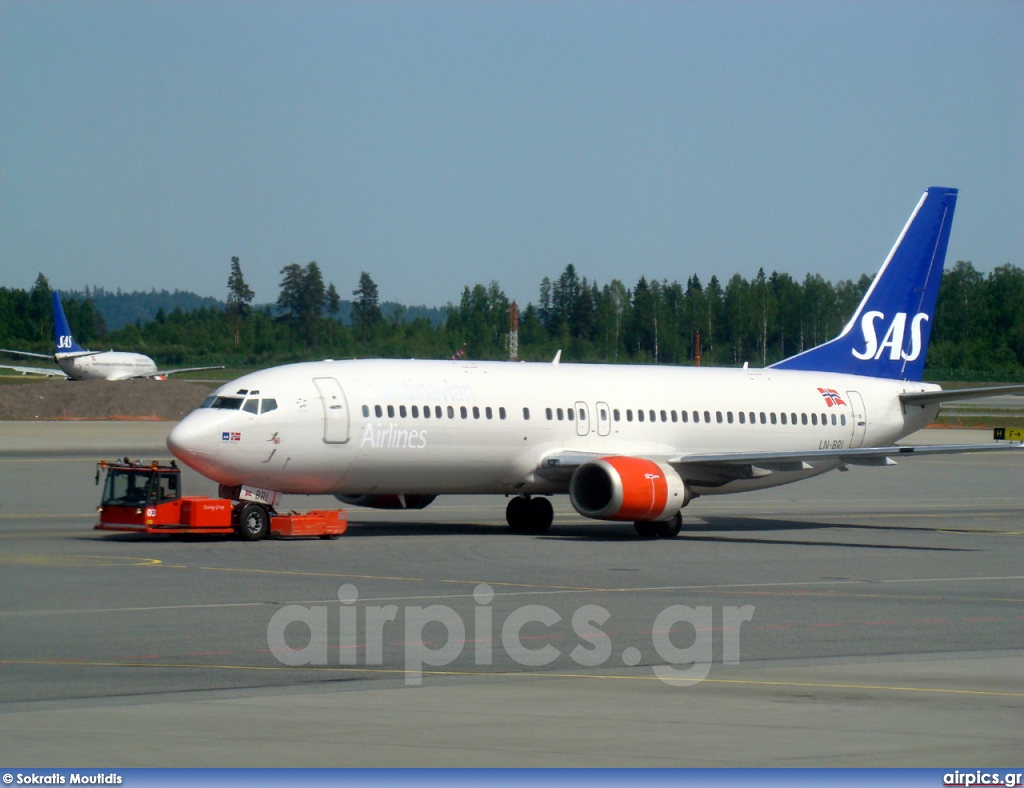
(188,444)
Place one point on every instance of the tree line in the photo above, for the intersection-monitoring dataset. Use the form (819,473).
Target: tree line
(978,330)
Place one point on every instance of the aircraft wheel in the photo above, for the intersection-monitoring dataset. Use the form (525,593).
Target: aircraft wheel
(253,522)
(541,514)
(645,529)
(517,514)
(669,529)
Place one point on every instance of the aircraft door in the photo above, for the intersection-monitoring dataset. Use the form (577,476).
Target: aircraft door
(336,421)
(860,419)
(582,419)
(604,419)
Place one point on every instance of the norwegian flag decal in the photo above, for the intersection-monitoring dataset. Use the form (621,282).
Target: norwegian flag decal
(231,436)
(831,397)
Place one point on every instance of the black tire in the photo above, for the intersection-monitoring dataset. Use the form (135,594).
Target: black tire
(541,515)
(252,522)
(645,529)
(669,529)
(517,515)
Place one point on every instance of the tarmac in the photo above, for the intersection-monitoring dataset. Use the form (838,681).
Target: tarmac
(866,618)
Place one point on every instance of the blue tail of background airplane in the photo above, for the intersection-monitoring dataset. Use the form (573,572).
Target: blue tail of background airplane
(887,337)
(62,331)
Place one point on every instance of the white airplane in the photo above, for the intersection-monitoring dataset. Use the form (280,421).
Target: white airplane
(627,443)
(76,363)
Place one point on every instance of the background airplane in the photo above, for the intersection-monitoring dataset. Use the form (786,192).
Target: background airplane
(76,363)
(627,443)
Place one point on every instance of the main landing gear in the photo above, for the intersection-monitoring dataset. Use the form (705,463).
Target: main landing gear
(529,515)
(668,529)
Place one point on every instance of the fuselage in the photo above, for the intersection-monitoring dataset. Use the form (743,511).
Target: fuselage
(105,365)
(440,427)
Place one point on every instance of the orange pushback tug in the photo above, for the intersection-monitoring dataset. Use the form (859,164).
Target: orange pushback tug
(147,499)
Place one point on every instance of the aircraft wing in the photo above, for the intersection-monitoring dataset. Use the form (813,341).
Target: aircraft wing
(36,370)
(165,372)
(928,397)
(721,467)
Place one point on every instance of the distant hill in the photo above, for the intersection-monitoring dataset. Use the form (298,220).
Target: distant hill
(120,308)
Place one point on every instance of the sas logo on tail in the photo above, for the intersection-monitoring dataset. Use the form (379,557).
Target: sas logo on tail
(893,337)
(831,397)
(231,436)
(64,342)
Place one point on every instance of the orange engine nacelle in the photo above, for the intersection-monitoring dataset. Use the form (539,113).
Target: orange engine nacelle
(627,488)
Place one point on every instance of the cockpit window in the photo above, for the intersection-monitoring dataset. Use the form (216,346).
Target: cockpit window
(268,405)
(251,406)
(227,403)
(208,401)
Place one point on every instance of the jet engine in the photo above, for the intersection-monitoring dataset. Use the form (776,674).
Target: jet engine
(627,488)
(388,501)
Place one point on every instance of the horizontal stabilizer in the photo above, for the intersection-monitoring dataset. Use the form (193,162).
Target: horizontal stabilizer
(929,397)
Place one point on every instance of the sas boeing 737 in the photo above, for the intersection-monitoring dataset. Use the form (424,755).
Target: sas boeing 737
(626,443)
(76,363)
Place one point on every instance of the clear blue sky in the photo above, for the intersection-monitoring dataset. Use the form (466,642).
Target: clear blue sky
(436,145)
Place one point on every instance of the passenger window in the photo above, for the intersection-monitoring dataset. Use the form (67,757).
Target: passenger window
(707,417)
(463,412)
(549,413)
(603,414)
(501,413)
(674,416)
(451,412)
(569,413)
(743,417)
(803,419)
(833,419)
(653,417)
(629,414)
(685,416)
(402,411)
(639,415)
(391,411)
(664,416)
(615,414)
(378,411)
(415,411)
(488,412)
(728,417)
(366,411)
(824,419)
(526,414)
(437,411)
(793,418)
(814,419)
(783,417)
(842,419)
(753,417)
(560,413)
(426,411)
(773,417)
(476,412)
(696,417)
(763,419)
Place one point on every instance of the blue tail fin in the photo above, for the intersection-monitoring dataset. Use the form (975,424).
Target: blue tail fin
(61,329)
(887,337)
